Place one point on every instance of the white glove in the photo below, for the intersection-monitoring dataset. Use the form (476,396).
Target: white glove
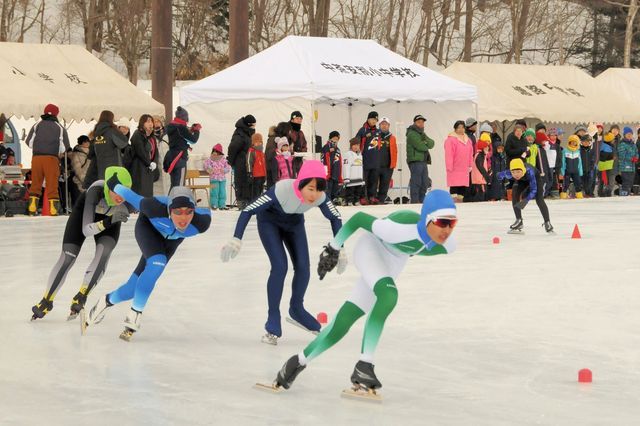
(231,249)
(342,261)
(153,166)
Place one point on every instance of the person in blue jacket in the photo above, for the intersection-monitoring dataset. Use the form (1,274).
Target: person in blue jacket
(163,224)
(528,186)
(280,214)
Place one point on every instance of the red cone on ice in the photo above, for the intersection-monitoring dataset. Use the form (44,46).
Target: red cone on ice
(322,317)
(585,376)
(496,240)
(45,204)
(576,233)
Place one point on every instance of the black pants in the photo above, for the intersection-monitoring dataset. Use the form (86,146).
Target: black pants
(458,190)
(178,173)
(520,190)
(333,188)
(588,182)
(257,187)
(354,193)
(627,182)
(577,181)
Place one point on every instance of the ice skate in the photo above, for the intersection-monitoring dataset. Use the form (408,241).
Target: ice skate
(41,309)
(517,227)
(289,372)
(297,324)
(364,383)
(299,317)
(131,324)
(548,228)
(97,313)
(270,339)
(77,304)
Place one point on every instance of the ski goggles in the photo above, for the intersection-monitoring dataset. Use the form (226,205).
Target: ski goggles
(182,211)
(443,222)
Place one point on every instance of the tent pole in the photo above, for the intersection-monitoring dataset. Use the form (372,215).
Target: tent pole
(400,169)
(313,126)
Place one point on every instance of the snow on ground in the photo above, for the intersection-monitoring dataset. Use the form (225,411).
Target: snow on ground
(491,335)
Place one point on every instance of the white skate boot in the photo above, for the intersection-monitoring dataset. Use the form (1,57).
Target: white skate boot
(131,324)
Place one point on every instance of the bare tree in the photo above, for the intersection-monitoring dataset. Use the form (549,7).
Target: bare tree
(632,10)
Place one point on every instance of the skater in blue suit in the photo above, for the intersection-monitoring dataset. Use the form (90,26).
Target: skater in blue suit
(280,214)
(163,224)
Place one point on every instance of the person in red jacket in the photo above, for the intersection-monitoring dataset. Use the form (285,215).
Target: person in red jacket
(332,160)
(256,165)
(387,157)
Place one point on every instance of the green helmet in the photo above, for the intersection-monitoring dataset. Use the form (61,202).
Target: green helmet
(530,132)
(123,177)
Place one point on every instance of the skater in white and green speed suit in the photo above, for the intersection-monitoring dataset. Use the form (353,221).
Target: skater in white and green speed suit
(380,256)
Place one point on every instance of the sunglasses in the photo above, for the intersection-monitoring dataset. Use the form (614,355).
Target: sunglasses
(442,222)
(182,212)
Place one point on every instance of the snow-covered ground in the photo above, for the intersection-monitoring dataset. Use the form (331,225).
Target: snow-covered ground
(490,335)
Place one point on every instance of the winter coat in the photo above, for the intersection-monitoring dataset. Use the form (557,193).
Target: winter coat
(256,163)
(105,151)
(627,156)
(388,151)
(459,161)
(480,171)
(48,137)
(368,137)
(180,139)
(283,167)
(588,158)
(606,156)
(554,156)
(542,161)
(80,164)
(141,176)
(571,162)
(239,147)
(217,169)
(514,147)
(418,144)
(352,166)
(297,140)
(332,160)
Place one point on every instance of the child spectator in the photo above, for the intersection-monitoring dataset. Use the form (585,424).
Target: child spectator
(332,160)
(498,164)
(627,159)
(554,158)
(217,167)
(542,162)
(480,173)
(256,165)
(572,167)
(605,166)
(281,165)
(530,137)
(352,173)
(588,158)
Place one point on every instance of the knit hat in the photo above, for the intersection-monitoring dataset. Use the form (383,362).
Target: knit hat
(124,178)
(310,169)
(249,120)
(552,131)
(256,137)
(482,144)
(280,142)
(540,126)
(182,114)
(521,123)
(485,137)
(486,127)
(599,126)
(608,137)
(517,164)
(437,203)
(372,114)
(585,138)
(573,139)
(627,130)
(82,139)
(295,114)
(385,120)
(530,132)
(419,117)
(51,109)
(180,197)
(334,134)
(217,148)
(581,127)
(470,122)
(541,138)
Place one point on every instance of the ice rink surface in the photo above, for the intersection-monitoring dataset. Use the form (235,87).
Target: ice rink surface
(490,335)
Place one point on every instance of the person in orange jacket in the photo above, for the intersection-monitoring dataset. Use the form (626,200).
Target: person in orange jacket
(256,165)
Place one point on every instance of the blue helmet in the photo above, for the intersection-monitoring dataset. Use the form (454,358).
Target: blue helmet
(437,203)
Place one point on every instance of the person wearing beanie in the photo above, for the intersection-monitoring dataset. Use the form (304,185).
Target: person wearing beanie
(218,168)
(332,160)
(554,158)
(587,157)
(256,165)
(380,255)
(516,145)
(238,151)
(163,224)
(497,190)
(458,157)
(418,159)
(181,139)
(471,125)
(47,139)
(481,171)
(580,130)
(379,179)
(352,174)
(572,167)
(281,165)
(79,165)
(280,216)
(297,141)
(606,154)
(528,186)
(627,160)
(282,129)
(369,135)
(541,127)
(539,154)
(98,213)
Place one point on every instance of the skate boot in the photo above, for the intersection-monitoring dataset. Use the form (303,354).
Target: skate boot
(33,206)
(364,376)
(41,309)
(289,372)
(131,324)
(77,304)
(97,313)
(548,227)
(516,227)
(300,317)
(273,330)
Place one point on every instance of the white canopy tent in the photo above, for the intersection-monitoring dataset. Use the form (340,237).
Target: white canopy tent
(553,94)
(334,83)
(34,75)
(621,83)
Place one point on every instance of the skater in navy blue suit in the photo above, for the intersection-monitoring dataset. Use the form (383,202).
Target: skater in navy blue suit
(280,214)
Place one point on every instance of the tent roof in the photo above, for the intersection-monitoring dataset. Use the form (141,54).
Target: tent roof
(331,69)
(33,75)
(623,82)
(563,94)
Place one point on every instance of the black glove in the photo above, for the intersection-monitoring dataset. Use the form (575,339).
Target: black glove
(328,260)
(522,204)
(117,216)
(112,182)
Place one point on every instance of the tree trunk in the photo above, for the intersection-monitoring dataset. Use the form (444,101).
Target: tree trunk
(427,7)
(468,31)
(628,32)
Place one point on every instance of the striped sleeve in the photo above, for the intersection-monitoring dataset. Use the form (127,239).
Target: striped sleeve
(330,212)
(261,203)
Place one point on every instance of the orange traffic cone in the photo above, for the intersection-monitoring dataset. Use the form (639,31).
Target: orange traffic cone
(576,233)
(45,204)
